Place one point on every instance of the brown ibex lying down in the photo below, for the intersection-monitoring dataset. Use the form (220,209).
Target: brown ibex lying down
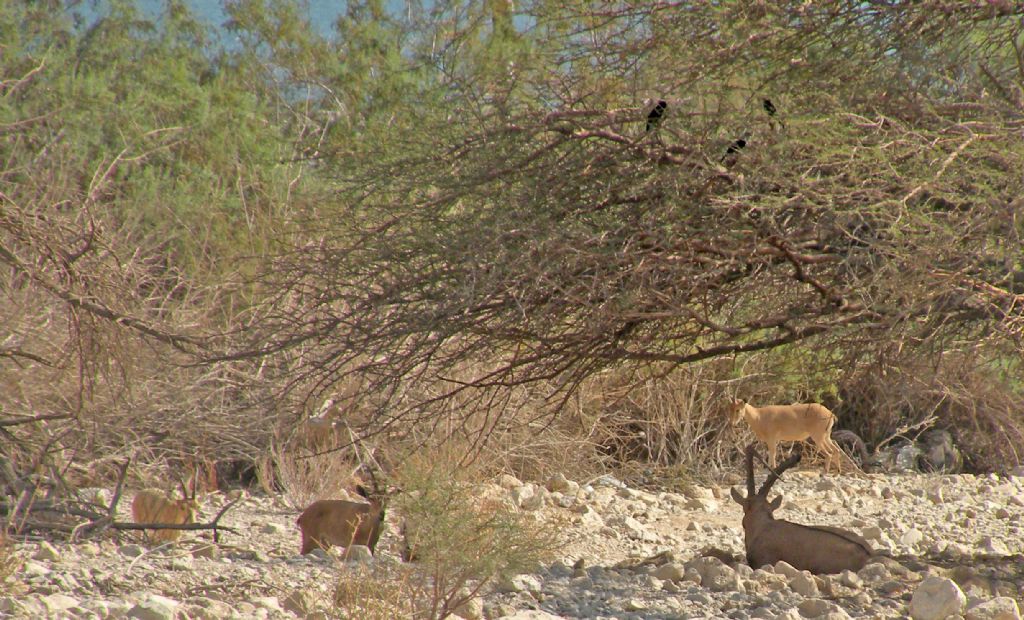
(817,548)
(328,522)
(776,423)
(156,508)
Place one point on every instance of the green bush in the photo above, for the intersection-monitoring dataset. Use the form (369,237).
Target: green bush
(460,539)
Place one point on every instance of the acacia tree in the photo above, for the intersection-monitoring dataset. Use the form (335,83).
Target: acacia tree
(515,224)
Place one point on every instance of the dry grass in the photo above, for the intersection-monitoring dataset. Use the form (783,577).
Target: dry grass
(305,477)
(377,592)
(10,564)
(968,396)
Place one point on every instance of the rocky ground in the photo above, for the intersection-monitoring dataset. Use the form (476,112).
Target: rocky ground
(630,553)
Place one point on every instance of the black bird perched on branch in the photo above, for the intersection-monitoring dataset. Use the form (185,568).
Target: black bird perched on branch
(654,117)
(770,108)
(733,151)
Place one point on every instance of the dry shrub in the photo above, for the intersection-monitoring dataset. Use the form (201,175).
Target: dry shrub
(974,399)
(10,564)
(305,476)
(621,420)
(668,420)
(374,592)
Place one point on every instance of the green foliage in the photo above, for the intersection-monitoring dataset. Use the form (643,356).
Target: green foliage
(143,120)
(458,539)
(524,229)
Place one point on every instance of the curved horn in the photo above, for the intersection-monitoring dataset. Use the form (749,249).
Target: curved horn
(775,474)
(750,469)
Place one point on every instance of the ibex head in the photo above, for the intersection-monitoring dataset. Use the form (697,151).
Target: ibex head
(736,411)
(155,507)
(756,505)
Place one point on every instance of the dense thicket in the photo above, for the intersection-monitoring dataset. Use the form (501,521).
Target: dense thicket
(455,219)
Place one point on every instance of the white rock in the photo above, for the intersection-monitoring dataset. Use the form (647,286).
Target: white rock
(358,554)
(520,583)
(272,528)
(715,575)
(97,606)
(34,569)
(816,608)
(46,552)
(692,576)
(769,581)
(20,607)
(270,603)
(559,483)
(561,500)
(803,584)
(531,614)
(56,603)
(528,496)
(874,572)
(993,546)
(155,607)
(670,572)
(202,608)
(589,517)
(706,505)
(1000,608)
(911,537)
(872,532)
(508,481)
(785,568)
(850,579)
(937,598)
(698,492)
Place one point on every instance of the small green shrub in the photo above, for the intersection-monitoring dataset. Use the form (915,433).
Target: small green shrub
(459,538)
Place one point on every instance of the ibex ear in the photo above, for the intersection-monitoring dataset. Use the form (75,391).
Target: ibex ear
(739,499)
(775,503)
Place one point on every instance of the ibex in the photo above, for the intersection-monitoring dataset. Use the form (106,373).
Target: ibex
(153,507)
(777,423)
(817,548)
(343,523)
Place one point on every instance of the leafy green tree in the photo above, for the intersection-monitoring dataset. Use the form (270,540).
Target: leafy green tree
(139,166)
(526,230)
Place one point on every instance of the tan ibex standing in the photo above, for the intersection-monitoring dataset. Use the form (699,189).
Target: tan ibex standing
(777,423)
(817,548)
(153,507)
(343,523)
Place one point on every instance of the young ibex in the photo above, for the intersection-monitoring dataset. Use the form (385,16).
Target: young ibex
(777,423)
(153,507)
(343,523)
(817,548)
